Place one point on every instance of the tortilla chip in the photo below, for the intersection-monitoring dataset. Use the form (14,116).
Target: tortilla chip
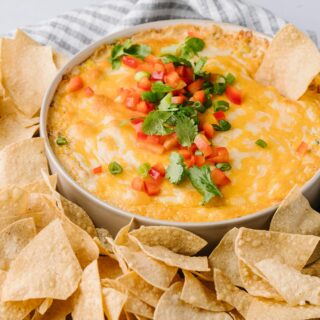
(58,310)
(13,239)
(291,53)
(40,185)
(236,315)
(175,239)
(223,257)
(170,307)
(23,38)
(140,288)
(15,158)
(60,59)
(13,129)
(45,268)
(136,306)
(295,215)
(312,269)
(270,310)
(113,303)
(88,298)
(255,284)
(27,71)
(122,236)
(118,255)
(295,287)
(82,244)
(173,259)
(45,305)
(294,250)
(152,271)
(15,310)
(78,216)
(197,294)
(102,235)
(109,267)
(229,293)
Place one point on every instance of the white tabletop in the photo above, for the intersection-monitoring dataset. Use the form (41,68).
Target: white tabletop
(17,13)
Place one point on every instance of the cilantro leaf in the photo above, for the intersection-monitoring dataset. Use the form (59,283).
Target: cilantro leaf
(165,103)
(191,47)
(149,96)
(201,180)
(177,61)
(186,130)
(199,65)
(127,48)
(156,123)
(160,87)
(176,169)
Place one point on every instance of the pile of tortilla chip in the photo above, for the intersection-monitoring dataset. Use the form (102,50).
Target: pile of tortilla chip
(26,70)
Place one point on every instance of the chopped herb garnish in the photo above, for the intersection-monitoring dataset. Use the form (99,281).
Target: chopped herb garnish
(186,130)
(223,166)
(230,78)
(199,65)
(156,123)
(61,141)
(160,87)
(114,168)
(201,180)
(261,143)
(141,74)
(176,170)
(220,85)
(177,61)
(144,169)
(165,103)
(191,47)
(151,96)
(221,105)
(224,125)
(199,107)
(127,48)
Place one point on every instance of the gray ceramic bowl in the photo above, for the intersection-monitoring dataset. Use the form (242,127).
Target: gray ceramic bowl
(112,218)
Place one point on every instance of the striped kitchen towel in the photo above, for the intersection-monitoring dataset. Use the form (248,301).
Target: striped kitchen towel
(75,30)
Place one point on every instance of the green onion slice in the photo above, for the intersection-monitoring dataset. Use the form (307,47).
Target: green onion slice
(261,143)
(61,141)
(114,168)
(221,105)
(223,166)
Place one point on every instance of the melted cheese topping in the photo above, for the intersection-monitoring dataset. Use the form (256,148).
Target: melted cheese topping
(260,177)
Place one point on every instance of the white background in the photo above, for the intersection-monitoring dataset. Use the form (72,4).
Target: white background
(17,13)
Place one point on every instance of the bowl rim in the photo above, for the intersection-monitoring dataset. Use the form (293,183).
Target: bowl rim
(82,56)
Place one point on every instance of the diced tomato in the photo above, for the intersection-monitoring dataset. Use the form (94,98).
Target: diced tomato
(302,149)
(152,187)
(141,136)
(220,154)
(234,95)
(159,67)
(172,79)
(169,67)
(151,59)
(195,34)
(145,66)
(171,142)
(142,106)
(138,184)
(219,115)
(208,130)
(195,86)
(219,178)
(132,100)
(157,75)
(137,120)
(130,62)
(199,160)
(203,144)
(154,148)
(185,73)
(190,162)
(178,99)
(160,168)
(193,148)
(145,84)
(75,84)
(199,96)
(185,153)
(88,92)
(153,139)
(97,170)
